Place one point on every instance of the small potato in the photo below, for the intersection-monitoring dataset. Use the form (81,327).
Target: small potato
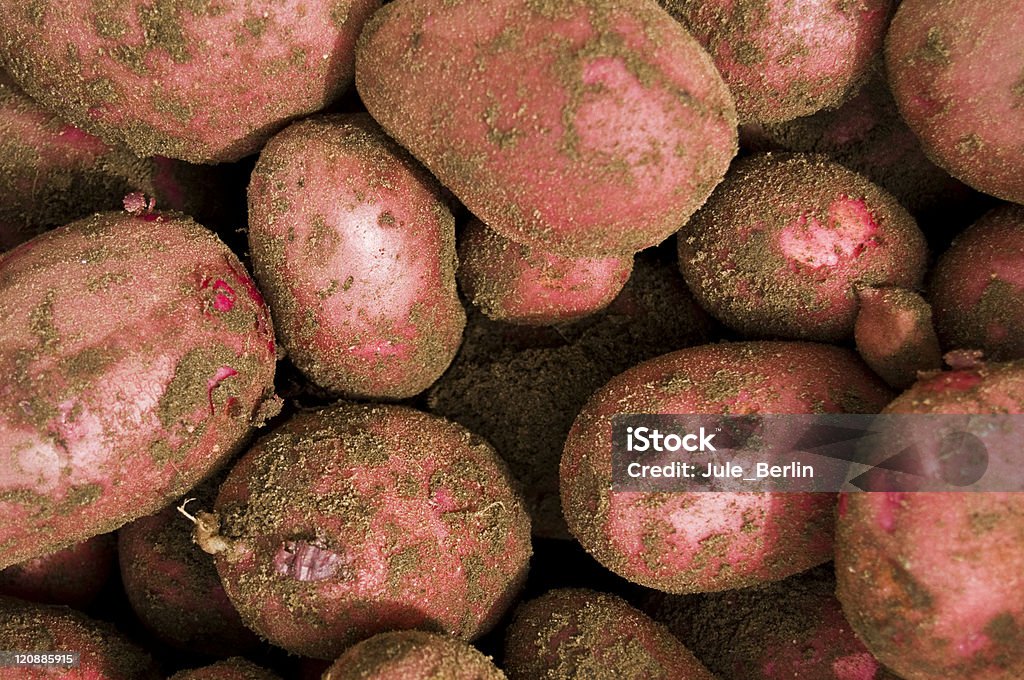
(137,356)
(201,81)
(709,541)
(358,519)
(587,129)
(47,629)
(977,287)
(785,59)
(235,668)
(519,284)
(782,244)
(355,249)
(895,335)
(956,72)
(412,655)
(576,633)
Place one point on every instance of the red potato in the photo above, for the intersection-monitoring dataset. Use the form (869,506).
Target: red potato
(977,287)
(73,576)
(412,655)
(52,173)
(782,244)
(200,81)
(103,652)
(575,633)
(355,249)
(587,129)
(955,70)
(895,335)
(358,519)
(868,136)
(519,284)
(784,59)
(173,586)
(138,356)
(788,630)
(235,668)
(934,582)
(709,541)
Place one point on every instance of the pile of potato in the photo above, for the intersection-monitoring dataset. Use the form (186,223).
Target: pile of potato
(315,315)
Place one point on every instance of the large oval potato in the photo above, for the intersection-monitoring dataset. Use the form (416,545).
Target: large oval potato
(137,354)
(355,248)
(202,81)
(585,128)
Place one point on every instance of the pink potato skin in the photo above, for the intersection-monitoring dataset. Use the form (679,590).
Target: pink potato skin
(355,249)
(977,287)
(52,173)
(359,519)
(577,633)
(174,589)
(587,128)
(781,245)
(519,284)
(702,541)
(73,576)
(199,81)
(956,72)
(104,654)
(138,356)
(412,655)
(933,582)
(784,59)
(895,335)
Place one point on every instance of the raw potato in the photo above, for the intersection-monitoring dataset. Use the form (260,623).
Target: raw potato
(956,72)
(413,655)
(977,287)
(73,576)
(783,59)
(235,668)
(137,355)
(52,173)
(709,541)
(516,283)
(781,245)
(575,633)
(788,630)
(201,81)
(104,652)
(895,335)
(588,128)
(934,582)
(358,519)
(173,586)
(355,249)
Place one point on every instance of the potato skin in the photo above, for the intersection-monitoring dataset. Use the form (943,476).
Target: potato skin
(783,59)
(355,249)
(577,633)
(588,128)
(780,246)
(516,283)
(235,668)
(73,576)
(138,356)
(933,582)
(978,284)
(104,652)
(895,335)
(970,126)
(412,655)
(700,541)
(358,519)
(200,81)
